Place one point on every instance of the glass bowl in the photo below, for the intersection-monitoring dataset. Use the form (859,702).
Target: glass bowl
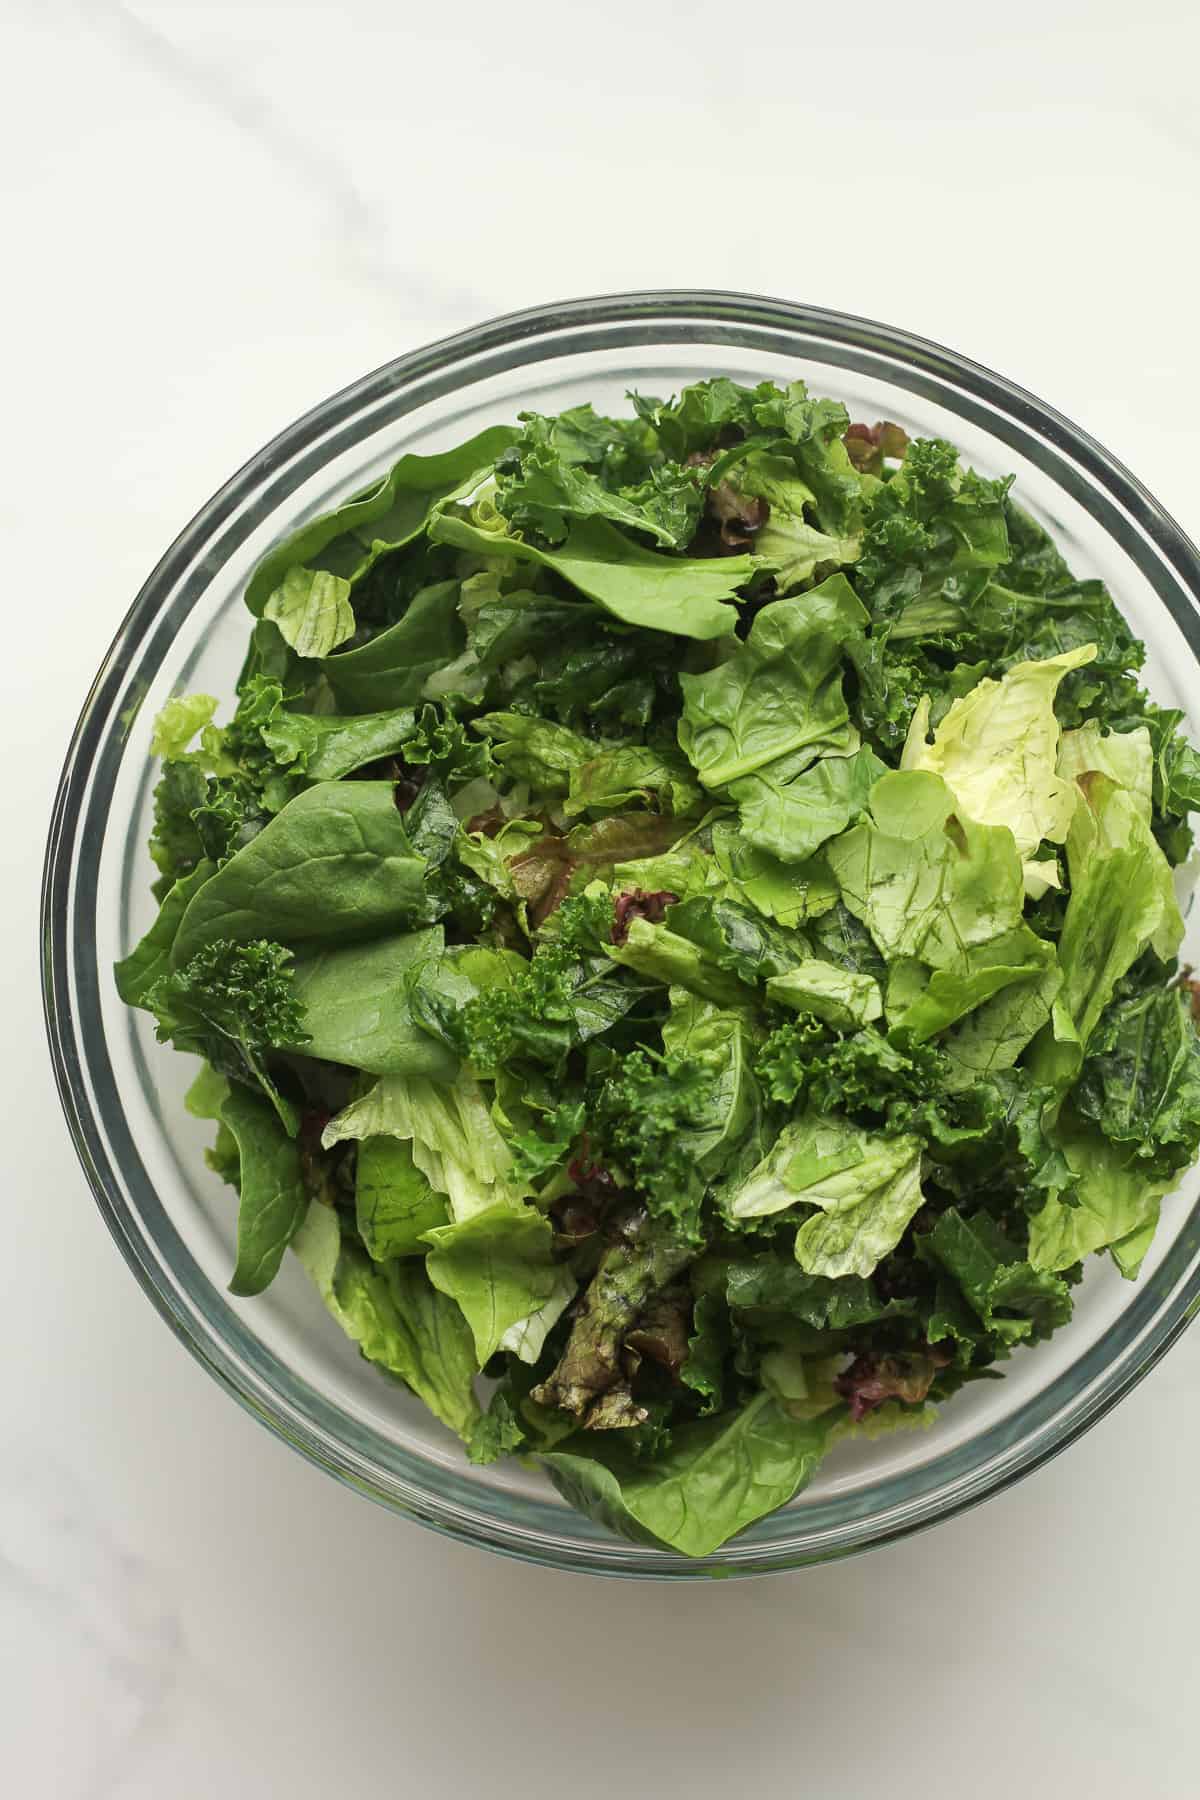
(280,1354)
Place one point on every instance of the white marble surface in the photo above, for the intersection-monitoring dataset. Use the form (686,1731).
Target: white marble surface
(214,214)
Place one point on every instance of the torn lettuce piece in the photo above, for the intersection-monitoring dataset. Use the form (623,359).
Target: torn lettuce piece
(394,1203)
(997,751)
(455,1142)
(498,1266)
(1122,902)
(1015,957)
(925,882)
(840,997)
(396,1316)
(312,610)
(865,1186)
(788,892)
(1113,1202)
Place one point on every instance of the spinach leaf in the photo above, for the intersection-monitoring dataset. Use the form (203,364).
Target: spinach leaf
(777,702)
(1141,1080)
(658,593)
(151,957)
(717,1477)
(1013,1299)
(925,882)
(355,1006)
(349,540)
(391,670)
(274,1198)
(336,861)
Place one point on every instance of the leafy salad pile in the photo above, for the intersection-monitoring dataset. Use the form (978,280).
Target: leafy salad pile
(681,922)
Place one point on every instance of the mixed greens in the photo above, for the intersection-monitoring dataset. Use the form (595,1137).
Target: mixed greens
(681,922)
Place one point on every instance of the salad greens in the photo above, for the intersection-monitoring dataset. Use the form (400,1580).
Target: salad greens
(681,923)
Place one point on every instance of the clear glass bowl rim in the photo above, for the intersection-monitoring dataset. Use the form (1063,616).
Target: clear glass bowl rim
(1164,554)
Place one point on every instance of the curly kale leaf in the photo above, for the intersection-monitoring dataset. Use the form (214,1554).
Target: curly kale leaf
(568,993)
(234,1004)
(596,468)
(864,1073)
(642,1116)
(1141,1080)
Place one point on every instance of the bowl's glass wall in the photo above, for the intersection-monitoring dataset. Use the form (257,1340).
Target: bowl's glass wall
(280,1353)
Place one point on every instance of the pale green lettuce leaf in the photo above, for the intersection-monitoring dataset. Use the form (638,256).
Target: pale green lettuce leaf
(179,721)
(455,1142)
(665,956)
(312,610)
(997,750)
(839,996)
(1126,757)
(394,1203)
(498,1265)
(866,1186)
(1015,956)
(1122,901)
(1117,1203)
(396,1316)
(925,882)
(788,892)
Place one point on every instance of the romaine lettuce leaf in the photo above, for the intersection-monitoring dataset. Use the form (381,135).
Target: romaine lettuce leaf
(926,883)
(1113,1202)
(1015,957)
(866,1188)
(455,1142)
(997,749)
(499,1267)
(312,610)
(1122,901)
(394,1203)
(396,1316)
(840,997)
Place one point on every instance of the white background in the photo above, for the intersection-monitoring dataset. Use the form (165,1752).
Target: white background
(215,214)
